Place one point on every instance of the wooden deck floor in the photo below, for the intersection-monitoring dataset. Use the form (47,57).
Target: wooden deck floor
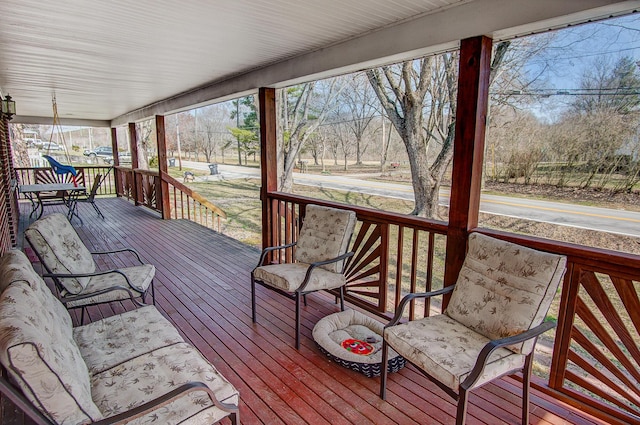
(202,286)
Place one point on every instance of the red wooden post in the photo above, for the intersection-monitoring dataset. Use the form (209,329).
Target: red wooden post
(114,146)
(268,158)
(116,161)
(163,203)
(133,146)
(468,150)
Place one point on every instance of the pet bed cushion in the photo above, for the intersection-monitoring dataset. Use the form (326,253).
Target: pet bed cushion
(354,340)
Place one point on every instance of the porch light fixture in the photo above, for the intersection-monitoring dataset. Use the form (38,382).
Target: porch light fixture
(8,107)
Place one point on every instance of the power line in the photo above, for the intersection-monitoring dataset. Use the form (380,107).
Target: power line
(620,91)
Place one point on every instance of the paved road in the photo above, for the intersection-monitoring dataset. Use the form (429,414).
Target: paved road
(614,221)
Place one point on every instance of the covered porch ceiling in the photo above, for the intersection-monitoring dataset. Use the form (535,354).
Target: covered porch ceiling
(109,63)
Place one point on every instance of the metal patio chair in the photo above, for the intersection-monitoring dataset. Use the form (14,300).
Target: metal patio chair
(71,266)
(490,326)
(91,196)
(319,258)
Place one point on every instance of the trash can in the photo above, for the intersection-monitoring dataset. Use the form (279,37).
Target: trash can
(172,162)
(213,168)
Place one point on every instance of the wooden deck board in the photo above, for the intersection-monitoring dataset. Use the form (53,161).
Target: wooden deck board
(202,286)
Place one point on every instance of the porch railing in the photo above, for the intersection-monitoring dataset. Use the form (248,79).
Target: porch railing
(394,254)
(144,186)
(26,175)
(188,204)
(595,362)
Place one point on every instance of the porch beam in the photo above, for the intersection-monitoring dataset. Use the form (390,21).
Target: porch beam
(468,150)
(163,167)
(268,158)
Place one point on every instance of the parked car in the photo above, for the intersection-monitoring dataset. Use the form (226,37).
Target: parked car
(33,143)
(101,151)
(123,158)
(51,146)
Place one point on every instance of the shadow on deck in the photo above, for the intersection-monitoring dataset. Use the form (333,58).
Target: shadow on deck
(202,286)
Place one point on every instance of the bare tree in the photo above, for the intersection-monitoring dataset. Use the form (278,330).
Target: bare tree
(606,118)
(360,104)
(146,140)
(419,98)
(342,134)
(303,109)
(214,122)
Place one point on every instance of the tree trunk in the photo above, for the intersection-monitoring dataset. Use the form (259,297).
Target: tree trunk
(286,184)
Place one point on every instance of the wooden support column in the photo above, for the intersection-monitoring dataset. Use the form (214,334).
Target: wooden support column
(268,158)
(116,161)
(163,168)
(468,150)
(133,146)
(114,146)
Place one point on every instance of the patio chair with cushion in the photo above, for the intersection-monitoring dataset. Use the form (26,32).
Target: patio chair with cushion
(490,326)
(91,196)
(319,258)
(71,266)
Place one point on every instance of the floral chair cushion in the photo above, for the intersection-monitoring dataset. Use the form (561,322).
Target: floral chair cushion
(116,339)
(15,266)
(504,289)
(448,350)
(60,248)
(325,234)
(39,353)
(151,375)
(289,277)
(139,276)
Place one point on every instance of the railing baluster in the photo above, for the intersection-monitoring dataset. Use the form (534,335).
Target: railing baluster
(399,263)
(415,245)
(429,280)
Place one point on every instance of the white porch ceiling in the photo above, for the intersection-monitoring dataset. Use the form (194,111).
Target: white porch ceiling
(117,61)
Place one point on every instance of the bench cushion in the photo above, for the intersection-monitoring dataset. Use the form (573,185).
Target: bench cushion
(154,374)
(116,339)
(139,276)
(38,350)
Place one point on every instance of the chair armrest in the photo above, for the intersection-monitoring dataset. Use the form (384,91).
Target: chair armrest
(165,399)
(270,249)
(76,275)
(133,251)
(493,345)
(312,266)
(65,299)
(409,297)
